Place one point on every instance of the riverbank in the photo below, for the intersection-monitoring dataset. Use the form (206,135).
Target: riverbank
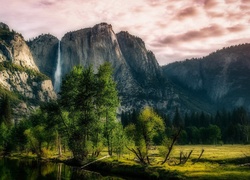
(217,162)
(102,169)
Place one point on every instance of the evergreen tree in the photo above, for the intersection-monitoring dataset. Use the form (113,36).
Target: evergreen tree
(177,120)
(6,115)
(107,101)
(90,101)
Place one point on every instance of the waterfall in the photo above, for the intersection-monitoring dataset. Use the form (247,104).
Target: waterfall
(58,72)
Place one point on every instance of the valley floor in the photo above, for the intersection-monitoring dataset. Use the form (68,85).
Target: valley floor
(217,162)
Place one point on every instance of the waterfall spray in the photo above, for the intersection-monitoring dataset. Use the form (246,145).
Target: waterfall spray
(58,72)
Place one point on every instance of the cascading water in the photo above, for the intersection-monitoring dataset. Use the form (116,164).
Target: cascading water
(58,72)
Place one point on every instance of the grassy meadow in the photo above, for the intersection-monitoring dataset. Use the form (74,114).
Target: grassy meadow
(217,162)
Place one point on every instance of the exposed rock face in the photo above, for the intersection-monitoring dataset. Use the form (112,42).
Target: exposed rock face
(223,76)
(139,77)
(44,51)
(27,85)
(142,63)
(94,46)
(136,70)
(19,74)
(14,49)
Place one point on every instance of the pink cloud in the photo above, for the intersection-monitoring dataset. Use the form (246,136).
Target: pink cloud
(208,4)
(167,27)
(186,12)
(230,1)
(245,1)
(236,28)
(194,35)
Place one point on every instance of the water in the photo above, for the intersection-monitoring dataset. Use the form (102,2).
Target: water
(30,169)
(58,72)
(22,169)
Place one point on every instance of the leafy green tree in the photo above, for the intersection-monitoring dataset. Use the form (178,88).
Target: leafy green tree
(78,92)
(193,134)
(183,137)
(5,139)
(107,101)
(90,101)
(5,111)
(38,134)
(148,126)
(119,140)
(214,134)
(6,144)
(18,137)
(53,122)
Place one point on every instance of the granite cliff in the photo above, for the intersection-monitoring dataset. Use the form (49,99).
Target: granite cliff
(44,51)
(213,82)
(135,68)
(221,78)
(138,75)
(19,76)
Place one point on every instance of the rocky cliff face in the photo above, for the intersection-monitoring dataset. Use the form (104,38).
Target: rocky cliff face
(139,77)
(142,63)
(19,74)
(223,76)
(14,49)
(136,70)
(94,46)
(44,50)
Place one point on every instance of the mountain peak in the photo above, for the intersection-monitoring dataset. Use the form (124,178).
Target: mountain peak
(14,49)
(103,29)
(102,25)
(130,38)
(4,26)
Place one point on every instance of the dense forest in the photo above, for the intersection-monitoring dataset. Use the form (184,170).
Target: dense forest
(84,121)
(229,127)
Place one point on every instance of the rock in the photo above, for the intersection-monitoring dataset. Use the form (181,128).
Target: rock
(44,51)
(221,77)
(139,77)
(14,49)
(20,75)
(136,70)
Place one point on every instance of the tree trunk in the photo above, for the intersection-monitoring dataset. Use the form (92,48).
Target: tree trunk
(59,146)
(202,151)
(171,146)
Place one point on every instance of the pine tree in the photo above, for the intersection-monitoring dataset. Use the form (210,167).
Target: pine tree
(6,115)
(107,101)
(177,120)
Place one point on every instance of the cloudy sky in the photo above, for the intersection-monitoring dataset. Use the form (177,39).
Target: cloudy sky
(172,29)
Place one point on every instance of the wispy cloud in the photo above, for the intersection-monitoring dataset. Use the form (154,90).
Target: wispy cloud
(172,29)
(193,35)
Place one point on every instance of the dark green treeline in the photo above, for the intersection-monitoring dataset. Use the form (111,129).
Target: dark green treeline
(229,127)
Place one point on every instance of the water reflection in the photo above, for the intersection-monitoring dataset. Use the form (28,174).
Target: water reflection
(31,169)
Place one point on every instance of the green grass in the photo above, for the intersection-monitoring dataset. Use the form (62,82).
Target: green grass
(217,162)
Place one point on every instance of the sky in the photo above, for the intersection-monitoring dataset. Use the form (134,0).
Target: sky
(173,29)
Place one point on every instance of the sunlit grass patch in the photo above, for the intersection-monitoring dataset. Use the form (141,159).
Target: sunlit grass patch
(217,162)
(213,152)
